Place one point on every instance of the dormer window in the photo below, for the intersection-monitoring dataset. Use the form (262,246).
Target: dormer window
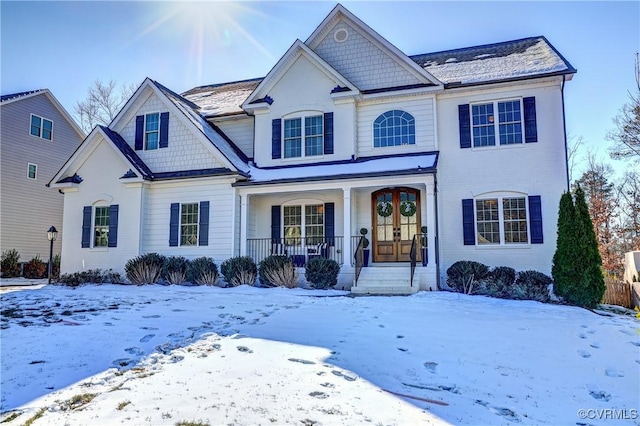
(152,131)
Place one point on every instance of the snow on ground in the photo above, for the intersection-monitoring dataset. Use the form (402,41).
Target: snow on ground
(157,355)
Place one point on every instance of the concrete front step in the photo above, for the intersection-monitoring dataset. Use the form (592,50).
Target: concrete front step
(385,280)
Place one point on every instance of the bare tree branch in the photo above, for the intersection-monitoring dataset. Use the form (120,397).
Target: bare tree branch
(102,104)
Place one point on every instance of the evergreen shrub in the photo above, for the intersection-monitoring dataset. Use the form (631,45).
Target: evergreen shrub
(239,270)
(277,271)
(10,265)
(174,269)
(531,285)
(202,271)
(90,276)
(145,269)
(499,282)
(322,273)
(466,276)
(35,268)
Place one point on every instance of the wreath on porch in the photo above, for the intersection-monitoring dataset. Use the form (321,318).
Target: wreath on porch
(385,208)
(408,208)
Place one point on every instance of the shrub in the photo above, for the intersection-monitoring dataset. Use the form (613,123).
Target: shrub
(531,285)
(94,276)
(239,270)
(35,268)
(10,263)
(322,273)
(55,270)
(278,271)
(144,269)
(202,271)
(465,276)
(499,282)
(174,269)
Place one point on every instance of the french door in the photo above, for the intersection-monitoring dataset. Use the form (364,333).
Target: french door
(396,219)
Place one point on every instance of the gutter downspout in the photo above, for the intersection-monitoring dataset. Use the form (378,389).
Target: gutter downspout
(564,126)
(437,253)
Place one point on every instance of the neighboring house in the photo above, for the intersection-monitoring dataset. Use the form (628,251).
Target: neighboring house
(345,132)
(37,136)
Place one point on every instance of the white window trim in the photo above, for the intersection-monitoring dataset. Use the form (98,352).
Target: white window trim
(403,146)
(496,124)
(36,171)
(41,127)
(144,131)
(502,243)
(197,244)
(303,136)
(303,224)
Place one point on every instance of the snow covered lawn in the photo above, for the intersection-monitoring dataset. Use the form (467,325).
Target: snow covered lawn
(103,355)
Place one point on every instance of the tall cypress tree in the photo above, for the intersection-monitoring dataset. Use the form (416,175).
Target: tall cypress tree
(591,285)
(564,271)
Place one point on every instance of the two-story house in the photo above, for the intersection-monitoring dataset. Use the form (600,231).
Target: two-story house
(37,135)
(345,132)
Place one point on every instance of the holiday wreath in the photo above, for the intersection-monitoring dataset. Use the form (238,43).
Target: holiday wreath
(385,208)
(407,208)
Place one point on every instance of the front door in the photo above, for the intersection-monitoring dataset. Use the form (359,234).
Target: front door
(396,219)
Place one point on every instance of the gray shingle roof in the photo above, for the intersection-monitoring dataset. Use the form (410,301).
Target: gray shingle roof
(510,60)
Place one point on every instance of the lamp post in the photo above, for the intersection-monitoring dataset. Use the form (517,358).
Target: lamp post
(52,234)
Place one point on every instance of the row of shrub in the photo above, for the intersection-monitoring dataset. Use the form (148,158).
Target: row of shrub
(34,268)
(273,271)
(503,282)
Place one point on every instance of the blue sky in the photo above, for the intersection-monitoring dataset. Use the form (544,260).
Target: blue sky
(65,46)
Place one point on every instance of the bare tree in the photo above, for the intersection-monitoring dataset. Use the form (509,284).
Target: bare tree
(628,227)
(102,104)
(626,133)
(573,146)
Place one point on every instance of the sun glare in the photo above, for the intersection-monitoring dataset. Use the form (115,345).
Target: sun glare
(211,28)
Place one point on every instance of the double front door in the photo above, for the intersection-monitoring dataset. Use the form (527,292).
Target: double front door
(396,219)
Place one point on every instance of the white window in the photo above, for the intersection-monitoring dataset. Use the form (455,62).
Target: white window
(189,224)
(101,227)
(394,128)
(32,171)
(307,227)
(501,220)
(41,127)
(151,131)
(311,133)
(508,125)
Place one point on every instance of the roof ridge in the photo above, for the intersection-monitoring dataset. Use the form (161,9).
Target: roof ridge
(223,84)
(20,94)
(480,46)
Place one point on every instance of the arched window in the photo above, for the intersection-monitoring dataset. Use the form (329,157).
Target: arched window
(394,128)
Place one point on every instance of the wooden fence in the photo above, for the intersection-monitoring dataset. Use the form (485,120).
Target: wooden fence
(617,293)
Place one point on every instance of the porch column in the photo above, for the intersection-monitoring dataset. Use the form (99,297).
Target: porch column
(244,204)
(431,222)
(346,217)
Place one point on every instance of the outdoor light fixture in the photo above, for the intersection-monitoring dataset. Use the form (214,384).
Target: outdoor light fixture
(52,234)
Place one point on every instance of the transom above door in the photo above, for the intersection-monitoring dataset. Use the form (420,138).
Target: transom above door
(395,219)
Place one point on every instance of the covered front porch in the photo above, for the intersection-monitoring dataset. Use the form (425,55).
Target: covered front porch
(305,219)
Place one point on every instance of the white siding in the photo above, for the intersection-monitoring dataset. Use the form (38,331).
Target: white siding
(156,218)
(530,169)
(240,131)
(362,62)
(422,111)
(185,151)
(101,173)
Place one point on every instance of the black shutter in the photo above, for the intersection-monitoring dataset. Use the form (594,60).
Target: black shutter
(464,125)
(164,130)
(203,226)
(86,226)
(530,126)
(329,223)
(535,219)
(275,224)
(276,138)
(174,224)
(139,132)
(468,225)
(113,225)
(328,133)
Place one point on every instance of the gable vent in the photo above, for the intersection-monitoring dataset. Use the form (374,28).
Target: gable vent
(341,35)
